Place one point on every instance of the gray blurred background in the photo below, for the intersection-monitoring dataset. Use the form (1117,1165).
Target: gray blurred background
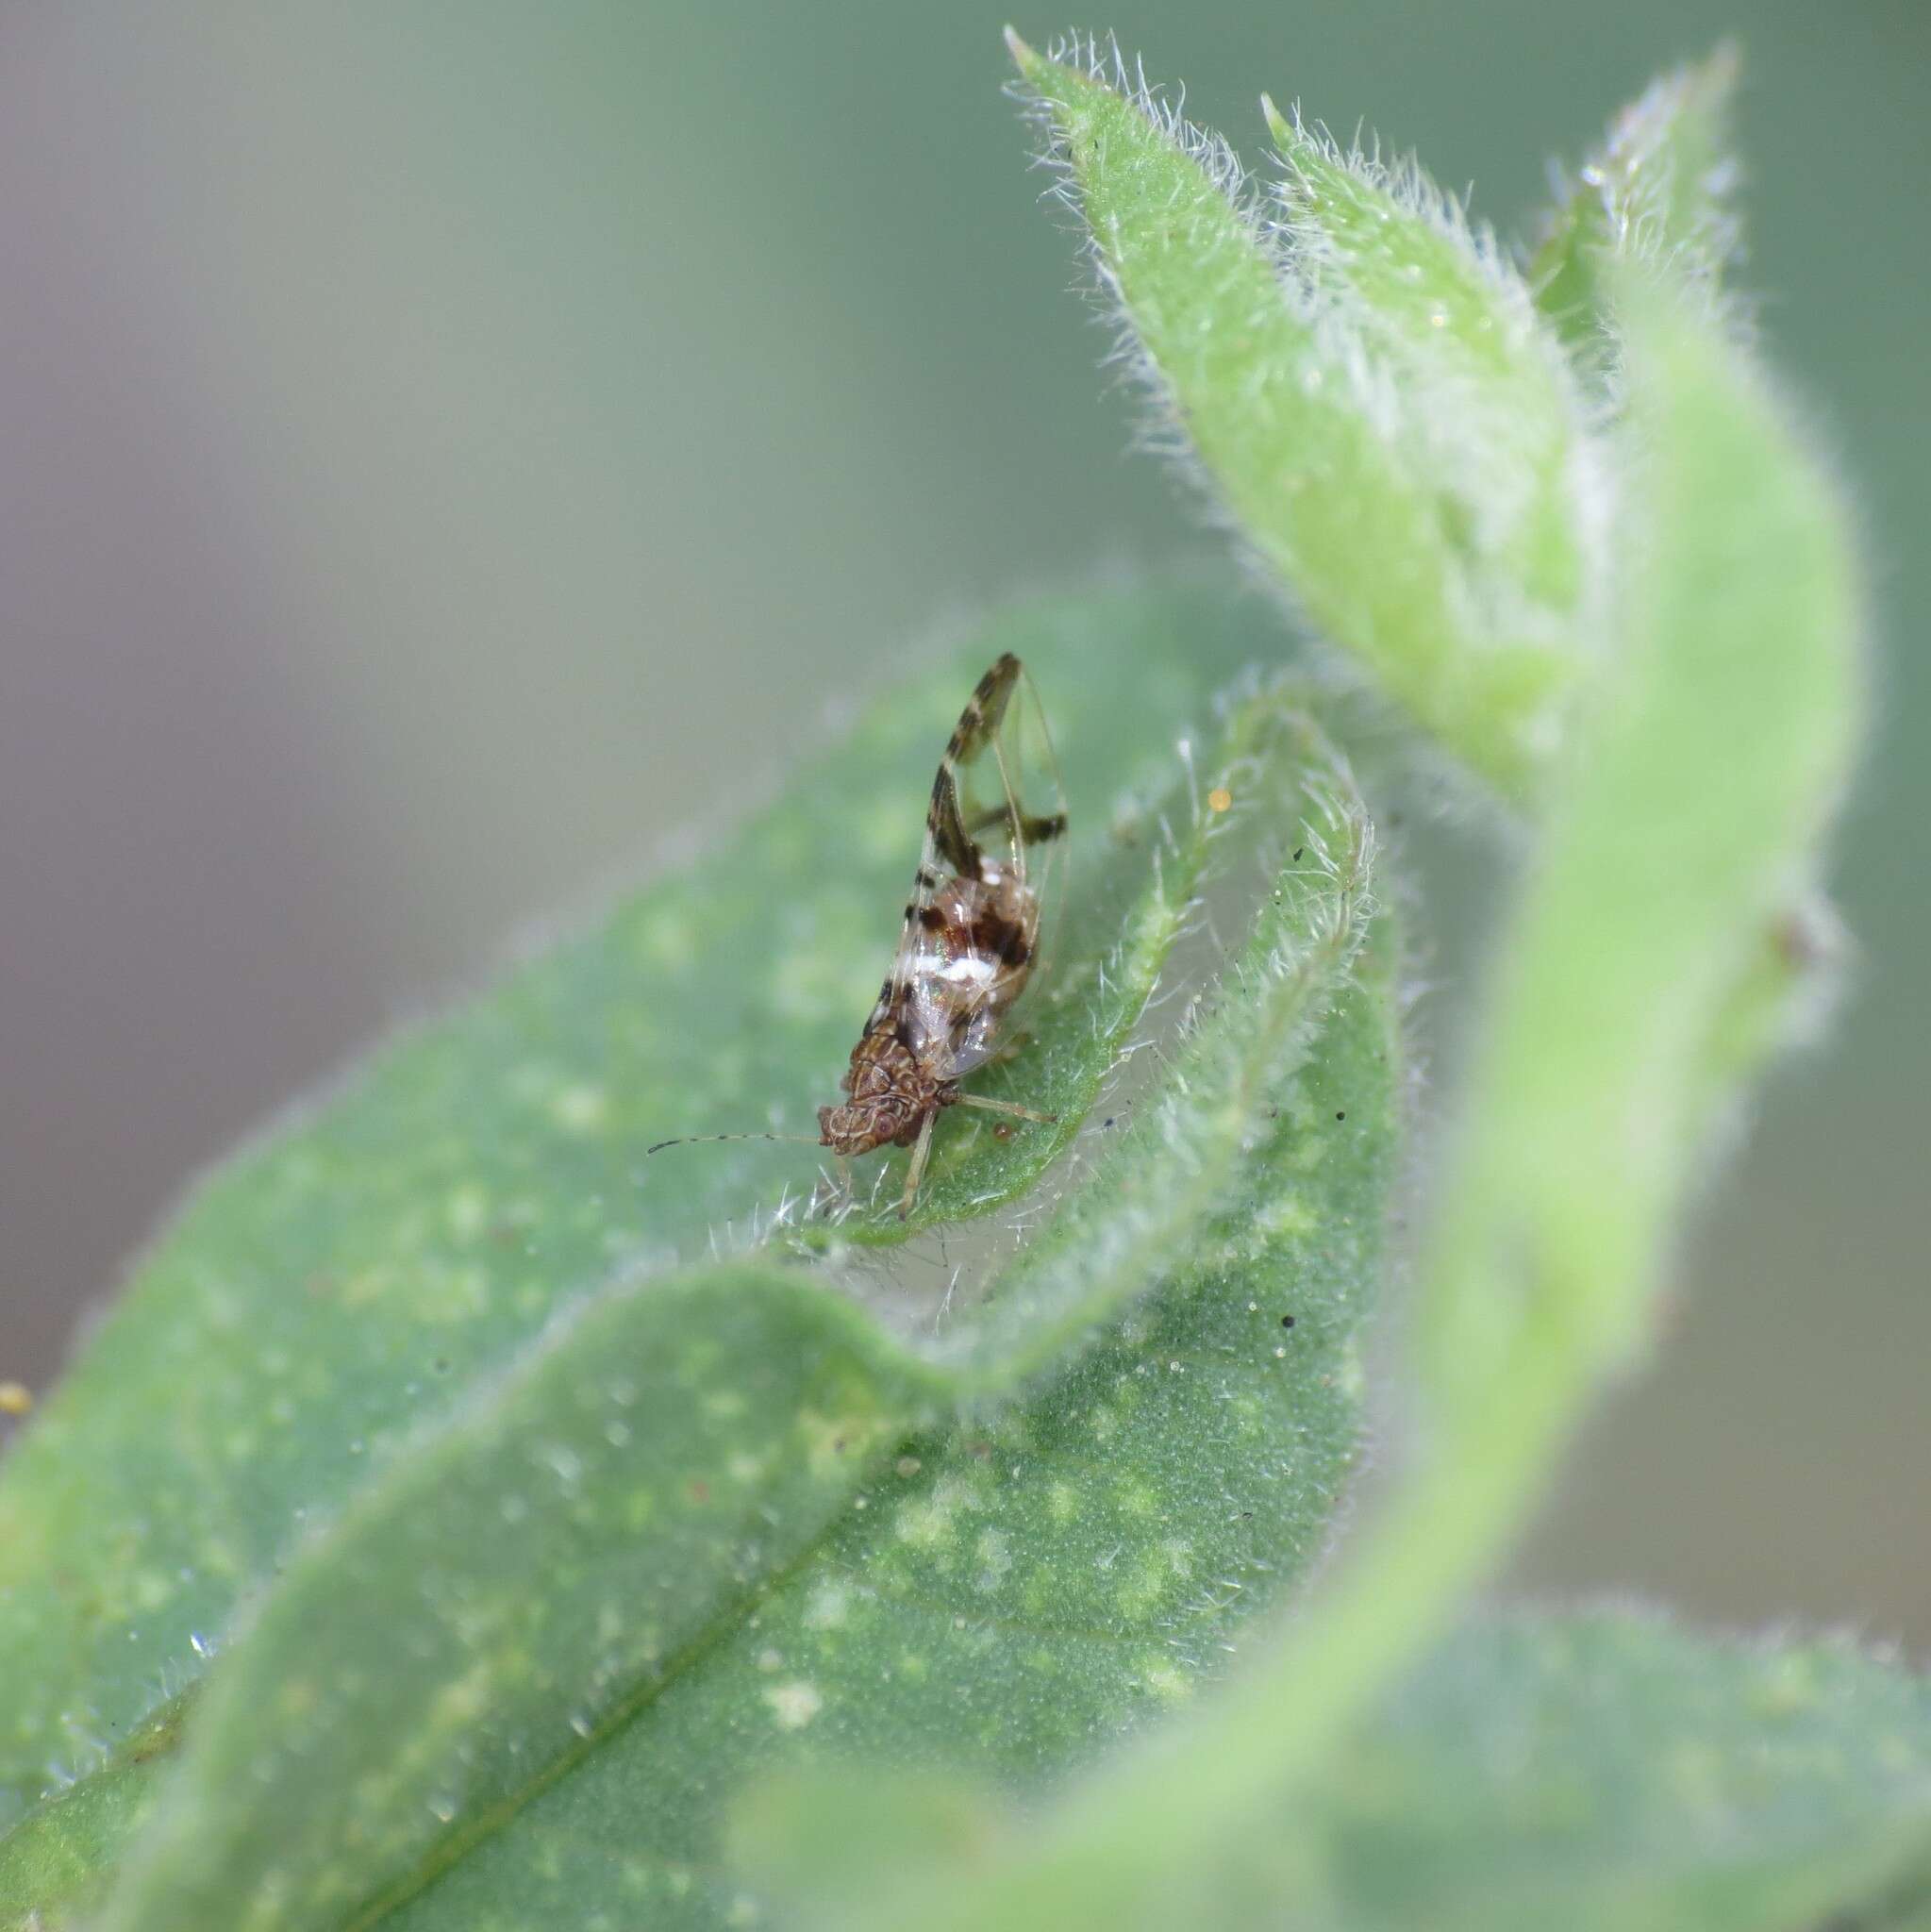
(446,444)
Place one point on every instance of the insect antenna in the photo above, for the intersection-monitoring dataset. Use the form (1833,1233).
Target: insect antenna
(692,1139)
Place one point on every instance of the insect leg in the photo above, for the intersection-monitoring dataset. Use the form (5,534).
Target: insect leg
(922,1147)
(1023,1113)
(831,1197)
(1035,831)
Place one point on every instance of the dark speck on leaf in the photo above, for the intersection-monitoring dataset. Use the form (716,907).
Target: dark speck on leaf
(1287,1320)
(1298,850)
(1342,1114)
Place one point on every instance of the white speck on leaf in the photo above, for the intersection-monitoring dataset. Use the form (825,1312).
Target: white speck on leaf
(794,1705)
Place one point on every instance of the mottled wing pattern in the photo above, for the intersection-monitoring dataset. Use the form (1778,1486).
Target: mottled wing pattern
(973,925)
(997,795)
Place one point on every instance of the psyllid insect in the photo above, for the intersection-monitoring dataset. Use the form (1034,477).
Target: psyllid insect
(971,938)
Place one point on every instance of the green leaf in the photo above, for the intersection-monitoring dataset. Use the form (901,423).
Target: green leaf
(1619,985)
(1370,395)
(1496,421)
(1142,1214)
(1610,1773)
(520,1586)
(56,1862)
(1592,1097)
(1660,189)
(345,1281)
(1600,1772)
(617,1584)
(1649,910)
(1044,1575)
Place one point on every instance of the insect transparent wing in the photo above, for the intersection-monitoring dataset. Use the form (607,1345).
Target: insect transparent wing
(1012,806)
(1027,774)
(1005,784)
(972,925)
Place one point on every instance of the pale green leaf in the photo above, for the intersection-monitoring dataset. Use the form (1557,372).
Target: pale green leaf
(1386,424)
(1494,412)
(1661,189)
(1740,653)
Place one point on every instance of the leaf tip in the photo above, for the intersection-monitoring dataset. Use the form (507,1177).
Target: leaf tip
(1023,56)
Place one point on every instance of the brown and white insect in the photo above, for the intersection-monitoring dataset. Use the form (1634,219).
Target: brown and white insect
(971,937)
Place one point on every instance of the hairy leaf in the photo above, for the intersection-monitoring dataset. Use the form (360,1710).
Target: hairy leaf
(1660,189)
(1025,1584)
(1385,421)
(1494,415)
(353,1275)
(56,1862)
(1618,999)
(1649,910)
(691,1535)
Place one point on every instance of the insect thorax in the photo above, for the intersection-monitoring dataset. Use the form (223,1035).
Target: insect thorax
(891,1095)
